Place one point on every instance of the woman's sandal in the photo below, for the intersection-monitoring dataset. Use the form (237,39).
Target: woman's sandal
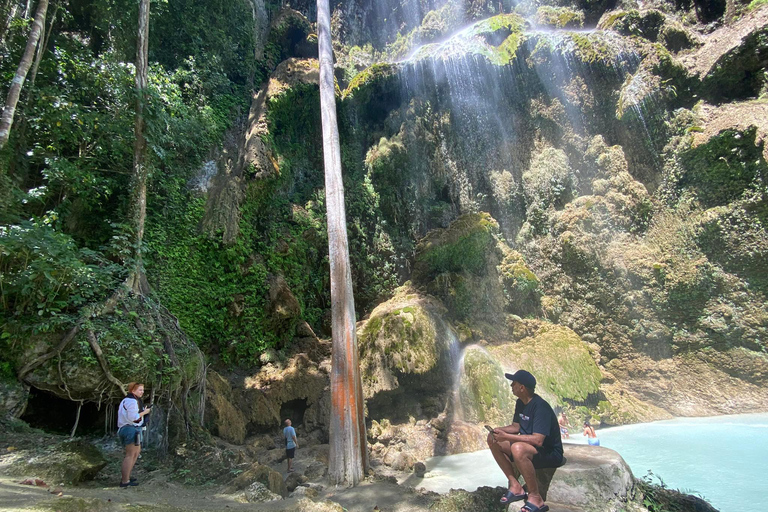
(511,496)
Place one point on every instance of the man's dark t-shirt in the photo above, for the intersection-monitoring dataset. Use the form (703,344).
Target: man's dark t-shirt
(537,417)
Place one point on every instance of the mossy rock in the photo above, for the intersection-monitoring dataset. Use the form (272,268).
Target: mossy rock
(559,17)
(133,339)
(498,39)
(290,36)
(366,83)
(404,336)
(70,462)
(724,168)
(374,92)
(738,74)
(463,246)
(484,392)
(522,289)
(562,363)
(647,24)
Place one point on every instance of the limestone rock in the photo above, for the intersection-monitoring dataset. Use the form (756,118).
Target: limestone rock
(222,417)
(257,492)
(302,491)
(70,462)
(269,478)
(405,340)
(294,480)
(484,392)
(13,398)
(592,477)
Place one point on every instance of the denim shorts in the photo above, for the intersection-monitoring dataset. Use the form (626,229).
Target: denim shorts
(129,434)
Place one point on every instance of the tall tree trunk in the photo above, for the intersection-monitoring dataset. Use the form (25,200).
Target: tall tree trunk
(349,452)
(41,50)
(137,281)
(21,73)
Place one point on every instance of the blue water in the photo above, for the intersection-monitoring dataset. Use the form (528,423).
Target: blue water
(723,459)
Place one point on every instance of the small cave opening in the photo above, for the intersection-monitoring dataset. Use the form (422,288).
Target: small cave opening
(293,410)
(50,413)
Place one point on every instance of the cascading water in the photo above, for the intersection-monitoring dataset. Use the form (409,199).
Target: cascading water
(474,91)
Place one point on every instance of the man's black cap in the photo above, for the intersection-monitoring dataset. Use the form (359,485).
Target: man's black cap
(523,377)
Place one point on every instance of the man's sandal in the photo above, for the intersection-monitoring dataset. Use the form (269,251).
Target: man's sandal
(530,507)
(511,496)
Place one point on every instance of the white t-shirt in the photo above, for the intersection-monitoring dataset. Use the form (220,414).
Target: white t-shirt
(128,413)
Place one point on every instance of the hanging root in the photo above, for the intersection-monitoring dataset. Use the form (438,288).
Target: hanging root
(168,345)
(102,361)
(88,313)
(48,355)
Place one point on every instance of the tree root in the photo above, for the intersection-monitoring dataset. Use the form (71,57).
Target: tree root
(49,355)
(102,361)
(107,307)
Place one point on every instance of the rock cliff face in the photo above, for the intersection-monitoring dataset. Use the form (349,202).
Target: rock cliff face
(607,186)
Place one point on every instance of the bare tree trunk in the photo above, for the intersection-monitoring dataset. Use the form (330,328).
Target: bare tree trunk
(41,50)
(136,281)
(348,452)
(21,73)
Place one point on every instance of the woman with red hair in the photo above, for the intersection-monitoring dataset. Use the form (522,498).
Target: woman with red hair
(130,420)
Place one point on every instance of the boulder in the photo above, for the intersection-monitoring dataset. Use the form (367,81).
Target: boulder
(271,479)
(222,417)
(302,491)
(13,398)
(257,492)
(70,462)
(593,477)
(484,392)
(562,363)
(294,480)
(407,354)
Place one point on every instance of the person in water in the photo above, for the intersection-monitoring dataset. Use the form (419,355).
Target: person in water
(589,431)
(289,433)
(130,420)
(563,422)
(532,441)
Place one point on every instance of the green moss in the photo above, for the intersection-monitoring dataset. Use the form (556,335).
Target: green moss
(484,391)
(559,17)
(521,286)
(463,246)
(504,34)
(721,170)
(369,78)
(755,4)
(592,49)
(647,24)
(560,360)
(405,337)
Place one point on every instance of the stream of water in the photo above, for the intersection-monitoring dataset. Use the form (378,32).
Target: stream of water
(723,459)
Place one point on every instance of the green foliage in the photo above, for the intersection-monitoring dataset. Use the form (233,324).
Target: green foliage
(559,17)
(721,170)
(45,277)
(464,246)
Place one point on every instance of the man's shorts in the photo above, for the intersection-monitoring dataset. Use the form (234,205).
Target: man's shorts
(290,452)
(129,434)
(545,459)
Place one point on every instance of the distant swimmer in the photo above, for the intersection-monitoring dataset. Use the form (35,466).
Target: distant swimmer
(589,431)
(563,422)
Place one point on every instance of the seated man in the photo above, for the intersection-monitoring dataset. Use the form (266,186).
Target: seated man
(532,441)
